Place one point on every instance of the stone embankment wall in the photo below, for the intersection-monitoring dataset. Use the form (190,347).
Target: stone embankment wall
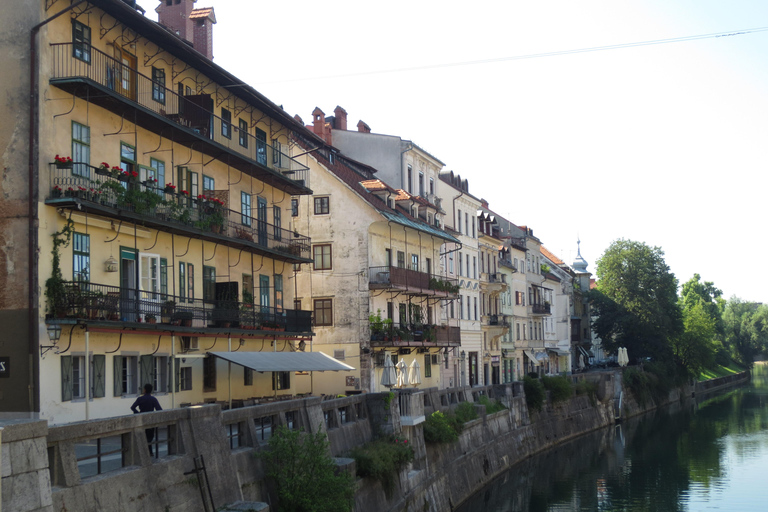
(40,468)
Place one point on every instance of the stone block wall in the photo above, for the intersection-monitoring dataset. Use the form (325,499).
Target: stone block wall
(26,485)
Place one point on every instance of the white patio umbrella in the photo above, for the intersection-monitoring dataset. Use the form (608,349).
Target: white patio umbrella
(414,374)
(626,357)
(388,377)
(581,361)
(402,375)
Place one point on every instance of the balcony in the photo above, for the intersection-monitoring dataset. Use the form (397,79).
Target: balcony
(493,283)
(187,120)
(412,282)
(415,335)
(508,264)
(113,305)
(541,309)
(80,188)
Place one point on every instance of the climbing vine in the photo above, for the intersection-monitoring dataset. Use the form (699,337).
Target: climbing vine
(54,285)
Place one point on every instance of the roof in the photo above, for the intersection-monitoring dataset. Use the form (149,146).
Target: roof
(409,222)
(554,259)
(376,185)
(284,361)
(551,277)
(204,12)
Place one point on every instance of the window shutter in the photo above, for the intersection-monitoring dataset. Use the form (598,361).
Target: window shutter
(145,371)
(99,367)
(66,378)
(117,388)
(177,376)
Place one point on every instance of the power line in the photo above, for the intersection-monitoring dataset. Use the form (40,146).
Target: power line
(531,56)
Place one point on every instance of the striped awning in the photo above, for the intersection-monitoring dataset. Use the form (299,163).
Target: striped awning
(284,361)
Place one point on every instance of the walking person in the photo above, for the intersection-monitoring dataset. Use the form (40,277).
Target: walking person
(147,403)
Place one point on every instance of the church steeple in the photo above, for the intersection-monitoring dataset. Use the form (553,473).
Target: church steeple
(579,264)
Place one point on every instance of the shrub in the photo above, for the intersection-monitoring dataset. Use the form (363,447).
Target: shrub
(585,387)
(636,381)
(304,475)
(466,412)
(559,386)
(534,393)
(491,406)
(382,459)
(439,428)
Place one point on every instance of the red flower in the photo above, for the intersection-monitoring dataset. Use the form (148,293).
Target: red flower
(170,185)
(184,192)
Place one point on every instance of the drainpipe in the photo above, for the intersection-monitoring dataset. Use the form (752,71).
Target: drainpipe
(34,113)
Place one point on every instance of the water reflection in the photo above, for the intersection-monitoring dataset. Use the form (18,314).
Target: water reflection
(689,457)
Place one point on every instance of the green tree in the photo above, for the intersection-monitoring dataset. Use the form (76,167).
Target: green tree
(695,347)
(746,329)
(695,291)
(635,303)
(304,475)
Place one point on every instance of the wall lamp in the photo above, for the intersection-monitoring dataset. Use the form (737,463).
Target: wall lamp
(54,333)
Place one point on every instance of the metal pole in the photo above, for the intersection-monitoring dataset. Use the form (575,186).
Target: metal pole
(87,376)
(173,371)
(229,370)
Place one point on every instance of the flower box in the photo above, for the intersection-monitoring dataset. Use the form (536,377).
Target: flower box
(63,165)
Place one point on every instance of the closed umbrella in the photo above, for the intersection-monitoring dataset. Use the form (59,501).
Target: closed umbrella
(626,357)
(581,361)
(414,374)
(402,376)
(388,377)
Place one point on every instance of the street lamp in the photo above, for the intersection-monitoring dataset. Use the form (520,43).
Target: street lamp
(54,332)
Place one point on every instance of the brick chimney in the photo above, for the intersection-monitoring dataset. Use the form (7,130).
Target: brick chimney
(340,122)
(319,126)
(193,25)
(174,15)
(483,203)
(202,37)
(362,127)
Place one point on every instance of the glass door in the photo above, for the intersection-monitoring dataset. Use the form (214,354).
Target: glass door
(129,296)
(261,213)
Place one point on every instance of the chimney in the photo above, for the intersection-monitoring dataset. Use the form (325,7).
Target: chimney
(298,119)
(318,125)
(341,118)
(484,203)
(202,37)
(174,15)
(362,127)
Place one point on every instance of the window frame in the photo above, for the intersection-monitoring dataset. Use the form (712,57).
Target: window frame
(81,149)
(226,123)
(82,256)
(326,306)
(158,85)
(81,44)
(242,127)
(323,257)
(322,205)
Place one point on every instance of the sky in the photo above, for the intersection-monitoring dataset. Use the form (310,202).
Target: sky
(659,143)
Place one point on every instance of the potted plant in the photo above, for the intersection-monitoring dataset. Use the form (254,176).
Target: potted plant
(183,317)
(56,191)
(247,316)
(63,162)
(170,188)
(103,169)
(377,326)
(116,172)
(167,310)
(150,318)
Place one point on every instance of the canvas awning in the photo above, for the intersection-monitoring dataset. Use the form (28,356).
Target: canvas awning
(559,351)
(532,357)
(583,352)
(284,361)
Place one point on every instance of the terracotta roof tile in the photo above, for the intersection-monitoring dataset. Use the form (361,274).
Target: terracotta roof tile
(203,12)
(554,259)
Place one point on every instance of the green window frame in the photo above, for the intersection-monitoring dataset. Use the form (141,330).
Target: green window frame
(81,257)
(278,293)
(81,149)
(81,41)
(158,166)
(186,282)
(226,123)
(245,208)
(158,85)
(209,283)
(427,366)
(277,220)
(182,281)
(243,132)
(164,277)
(188,181)
(209,184)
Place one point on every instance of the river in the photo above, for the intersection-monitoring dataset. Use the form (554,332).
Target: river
(712,455)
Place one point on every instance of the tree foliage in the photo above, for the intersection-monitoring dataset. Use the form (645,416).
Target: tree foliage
(635,303)
(695,348)
(695,291)
(304,475)
(746,329)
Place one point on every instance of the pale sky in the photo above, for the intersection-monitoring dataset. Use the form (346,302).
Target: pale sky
(664,144)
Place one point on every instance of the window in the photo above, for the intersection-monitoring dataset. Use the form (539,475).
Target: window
(81,257)
(297,304)
(97,456)
(400,259)
(158,85)
(263,428)
(474,267)
(322,256)
(450,263)
(243,133)
(323,312)
(475,308)
(461,264)
(209,284)
(421,184)
(209,374)
(278,293)
(127,157)
(428,266)
(281,380)
(81,149)
(158,166)
(431,186)
(294,207)
(81,41)
(247,376)
(149,276)
(415,262)
(245,208)
(277,219)
(261,146)
(473,228)
(160,374)
(322,205)
(209,184)
(458,223)
(466,223)
(410,179)
(184,378)
(468,274)
(234,435)
(125,375)
(186,281)
(226,123)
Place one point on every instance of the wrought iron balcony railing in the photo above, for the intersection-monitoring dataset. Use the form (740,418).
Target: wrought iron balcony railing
(192,113)
(541,309)
(104,303)
(415,335)
(412,280)
(162,209)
